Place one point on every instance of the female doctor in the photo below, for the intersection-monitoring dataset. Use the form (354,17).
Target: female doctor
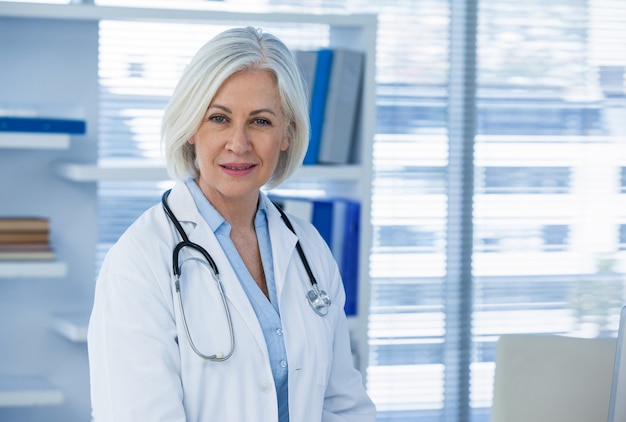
(213,306)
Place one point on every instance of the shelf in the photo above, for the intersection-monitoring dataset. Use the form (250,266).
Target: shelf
(190,15)
(330,172)
(19,140)
(134,170)
(73,327)
(119,170)
(33,269)
(28,391)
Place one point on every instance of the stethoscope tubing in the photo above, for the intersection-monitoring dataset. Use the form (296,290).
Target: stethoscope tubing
(217,357)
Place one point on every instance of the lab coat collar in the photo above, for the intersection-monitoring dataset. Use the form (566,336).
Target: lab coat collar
(283,245)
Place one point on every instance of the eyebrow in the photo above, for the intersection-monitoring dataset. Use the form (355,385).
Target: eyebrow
(252,113)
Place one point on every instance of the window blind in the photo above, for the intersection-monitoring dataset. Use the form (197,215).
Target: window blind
(546,253)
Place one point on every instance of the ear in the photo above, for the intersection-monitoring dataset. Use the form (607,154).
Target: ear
(191,140)
(288,137)
(285,143)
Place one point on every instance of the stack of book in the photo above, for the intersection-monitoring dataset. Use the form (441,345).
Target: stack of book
(25,238)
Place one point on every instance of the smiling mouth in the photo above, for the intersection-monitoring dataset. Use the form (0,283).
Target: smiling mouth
(242,167)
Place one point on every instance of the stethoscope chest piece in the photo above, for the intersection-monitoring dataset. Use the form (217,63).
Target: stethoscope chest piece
(319,300)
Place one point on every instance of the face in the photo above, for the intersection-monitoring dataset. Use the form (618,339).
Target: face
(240,138)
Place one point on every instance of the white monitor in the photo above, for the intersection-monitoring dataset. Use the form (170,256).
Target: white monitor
(617,405)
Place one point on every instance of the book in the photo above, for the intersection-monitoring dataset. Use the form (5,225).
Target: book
(338,222)
(24,237)
(25,247)
(306,60)
(26,251)
(341,118)
(25,224)
(349,264)
(317,78)
(42,124)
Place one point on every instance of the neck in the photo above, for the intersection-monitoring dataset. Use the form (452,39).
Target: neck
(239,213)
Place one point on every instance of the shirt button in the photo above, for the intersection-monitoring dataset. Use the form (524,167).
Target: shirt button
(265,386)
(279,331)
(283,363)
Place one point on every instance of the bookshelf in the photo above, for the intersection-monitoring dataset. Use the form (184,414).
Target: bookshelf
(134,170)
(34,141)
(32,269)
(27,391)
(49,66)
(73,170)
(120,170)
(72,327)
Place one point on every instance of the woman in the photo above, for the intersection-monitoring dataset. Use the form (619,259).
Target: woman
(164,345)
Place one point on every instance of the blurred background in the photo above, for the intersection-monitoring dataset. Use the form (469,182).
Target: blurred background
(498,177)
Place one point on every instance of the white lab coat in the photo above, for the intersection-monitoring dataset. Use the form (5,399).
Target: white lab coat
(142,367)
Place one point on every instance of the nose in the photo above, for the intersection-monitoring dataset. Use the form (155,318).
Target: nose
(238,140)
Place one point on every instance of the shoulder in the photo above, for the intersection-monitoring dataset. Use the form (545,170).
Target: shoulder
(152,230)
(145,239)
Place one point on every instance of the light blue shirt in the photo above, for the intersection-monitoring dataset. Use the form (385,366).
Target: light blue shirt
(266,310)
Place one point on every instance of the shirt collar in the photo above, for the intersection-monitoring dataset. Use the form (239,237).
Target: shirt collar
(213,218)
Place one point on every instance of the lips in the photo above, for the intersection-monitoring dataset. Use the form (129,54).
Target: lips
(237,167)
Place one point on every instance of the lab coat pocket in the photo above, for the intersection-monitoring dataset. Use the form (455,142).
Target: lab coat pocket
(321,330)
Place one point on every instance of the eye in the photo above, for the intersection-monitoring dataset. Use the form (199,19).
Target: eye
(217,118)
(262,122)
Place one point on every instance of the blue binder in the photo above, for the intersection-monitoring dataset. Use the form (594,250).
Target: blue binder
(42,125)
(318,104)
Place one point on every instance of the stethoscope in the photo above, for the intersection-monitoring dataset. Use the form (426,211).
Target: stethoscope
(318,299)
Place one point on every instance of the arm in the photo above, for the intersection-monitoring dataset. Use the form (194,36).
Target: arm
(133,354)
(346,398)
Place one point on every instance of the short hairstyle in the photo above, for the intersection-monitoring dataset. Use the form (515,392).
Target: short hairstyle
(229,52)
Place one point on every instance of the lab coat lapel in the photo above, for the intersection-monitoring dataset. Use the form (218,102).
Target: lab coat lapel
(283,246)
(198,230)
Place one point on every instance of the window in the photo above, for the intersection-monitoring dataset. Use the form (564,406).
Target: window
(555,236)
(513,236)
(520,180)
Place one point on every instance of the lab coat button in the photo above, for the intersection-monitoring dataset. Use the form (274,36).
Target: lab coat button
(265,386)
